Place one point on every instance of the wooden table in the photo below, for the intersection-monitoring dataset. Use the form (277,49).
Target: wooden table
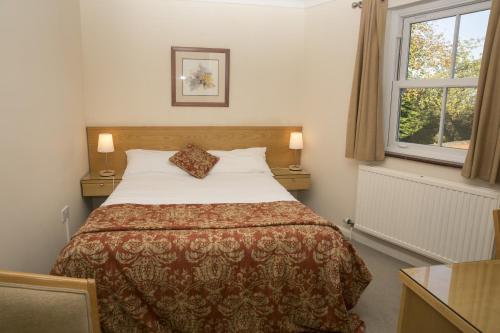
(461,297)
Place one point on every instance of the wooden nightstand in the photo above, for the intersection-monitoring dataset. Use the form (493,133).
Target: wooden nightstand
(94,185)
(292,180)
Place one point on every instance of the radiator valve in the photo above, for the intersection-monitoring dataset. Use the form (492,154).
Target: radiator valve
(349,222)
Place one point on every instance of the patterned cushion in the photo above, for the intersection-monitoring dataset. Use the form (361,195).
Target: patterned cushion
(194,161)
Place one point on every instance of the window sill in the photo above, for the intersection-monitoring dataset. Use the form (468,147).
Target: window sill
(424,160)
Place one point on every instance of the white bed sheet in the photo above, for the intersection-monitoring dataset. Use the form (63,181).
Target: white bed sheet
(159,188)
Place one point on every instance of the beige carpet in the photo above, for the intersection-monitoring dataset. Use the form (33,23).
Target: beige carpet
(379,304)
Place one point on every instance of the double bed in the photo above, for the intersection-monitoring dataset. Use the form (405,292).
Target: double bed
(234,252)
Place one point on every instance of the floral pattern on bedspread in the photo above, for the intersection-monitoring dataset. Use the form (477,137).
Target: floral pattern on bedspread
(265,267)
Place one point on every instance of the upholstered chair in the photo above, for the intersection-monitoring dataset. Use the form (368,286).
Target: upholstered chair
(45,303)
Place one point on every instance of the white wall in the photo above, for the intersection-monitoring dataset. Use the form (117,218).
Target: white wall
(330,49)
(42,144)
(126,46)
(331,33)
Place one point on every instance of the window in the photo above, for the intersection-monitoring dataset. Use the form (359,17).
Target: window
(433,78)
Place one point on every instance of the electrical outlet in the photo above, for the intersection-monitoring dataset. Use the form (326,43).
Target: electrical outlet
(65,214)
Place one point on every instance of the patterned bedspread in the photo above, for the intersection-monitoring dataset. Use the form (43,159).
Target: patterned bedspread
(266,267)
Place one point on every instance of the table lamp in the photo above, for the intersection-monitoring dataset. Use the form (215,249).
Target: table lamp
(296,144)
(105,145)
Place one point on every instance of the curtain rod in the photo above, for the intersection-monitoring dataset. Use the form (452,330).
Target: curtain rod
(358,4)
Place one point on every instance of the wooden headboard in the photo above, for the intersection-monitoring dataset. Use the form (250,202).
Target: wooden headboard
(275,138)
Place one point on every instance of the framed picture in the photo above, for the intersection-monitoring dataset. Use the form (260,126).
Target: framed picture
(200,76)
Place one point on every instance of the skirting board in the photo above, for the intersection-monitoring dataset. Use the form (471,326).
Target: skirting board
(387,248)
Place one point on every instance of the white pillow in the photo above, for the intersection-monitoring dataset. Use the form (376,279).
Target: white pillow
(259,152)
(249,160)
(140,161)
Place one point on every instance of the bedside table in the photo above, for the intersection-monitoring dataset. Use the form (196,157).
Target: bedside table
(94,185)
(292,180)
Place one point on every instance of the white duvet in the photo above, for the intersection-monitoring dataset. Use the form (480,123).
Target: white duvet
(157,188)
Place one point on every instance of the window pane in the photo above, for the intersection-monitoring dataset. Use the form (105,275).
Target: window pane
(431,44)
(470,43)
(420,115)
(459,117)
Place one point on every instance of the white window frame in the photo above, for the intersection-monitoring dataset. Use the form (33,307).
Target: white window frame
(394,75)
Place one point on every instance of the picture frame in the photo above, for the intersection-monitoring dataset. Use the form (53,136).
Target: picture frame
(200,76)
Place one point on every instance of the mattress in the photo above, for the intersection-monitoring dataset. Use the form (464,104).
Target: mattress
(157,188)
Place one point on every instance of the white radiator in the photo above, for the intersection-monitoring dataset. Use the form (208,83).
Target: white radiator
(446,221)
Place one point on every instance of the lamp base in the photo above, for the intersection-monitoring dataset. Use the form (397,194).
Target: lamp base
(295,167)
(107,173)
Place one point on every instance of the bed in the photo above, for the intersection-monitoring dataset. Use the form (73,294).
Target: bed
(234,252)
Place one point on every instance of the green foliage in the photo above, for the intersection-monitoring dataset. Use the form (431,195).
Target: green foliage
(420,115)
(460,114)
(430,57)
(466,64)
(430,53)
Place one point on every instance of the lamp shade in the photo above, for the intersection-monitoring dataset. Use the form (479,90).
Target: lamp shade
(105,143)
(296,140)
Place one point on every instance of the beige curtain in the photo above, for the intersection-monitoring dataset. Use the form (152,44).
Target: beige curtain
(484,153)
(365,124)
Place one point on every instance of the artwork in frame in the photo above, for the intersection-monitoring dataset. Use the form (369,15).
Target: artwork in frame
(200,76)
